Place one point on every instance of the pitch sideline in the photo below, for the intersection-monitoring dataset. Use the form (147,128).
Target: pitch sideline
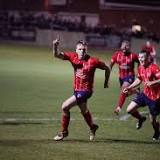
(124,117)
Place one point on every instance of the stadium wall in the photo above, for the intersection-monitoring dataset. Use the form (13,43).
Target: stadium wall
(68,39)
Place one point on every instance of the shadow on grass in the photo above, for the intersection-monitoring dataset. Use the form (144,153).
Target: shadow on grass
(21,142)
(110,140)
(131,141)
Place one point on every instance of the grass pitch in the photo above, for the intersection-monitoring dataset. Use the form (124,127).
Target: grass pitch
(32,87)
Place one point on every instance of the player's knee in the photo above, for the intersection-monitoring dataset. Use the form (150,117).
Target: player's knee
(65,107)
(129,110)
(132,107)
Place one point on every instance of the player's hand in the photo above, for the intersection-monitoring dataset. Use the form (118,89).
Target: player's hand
(117,110)
(148,83)
(105,84)
(126,90)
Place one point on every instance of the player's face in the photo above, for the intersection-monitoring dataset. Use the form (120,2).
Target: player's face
(125,47)
(143,59)
(81,50)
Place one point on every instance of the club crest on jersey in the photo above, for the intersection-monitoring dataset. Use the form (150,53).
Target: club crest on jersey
(79,95)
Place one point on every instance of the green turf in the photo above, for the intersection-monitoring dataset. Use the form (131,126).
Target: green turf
(33,85)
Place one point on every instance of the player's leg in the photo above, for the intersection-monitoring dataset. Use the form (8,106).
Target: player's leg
(154,108)
(66,106)
(65,119)
(88,118)
(155,125)
(86,114)
(82,97)
(133,110)
(125,83)
(122,97)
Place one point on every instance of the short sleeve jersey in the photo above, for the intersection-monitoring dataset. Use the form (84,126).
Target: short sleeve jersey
(83,70)
(126,63)
(151,73)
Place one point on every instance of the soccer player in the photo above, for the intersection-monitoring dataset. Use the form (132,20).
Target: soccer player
(126,61)
(84,68)
(149,74)
(151,50)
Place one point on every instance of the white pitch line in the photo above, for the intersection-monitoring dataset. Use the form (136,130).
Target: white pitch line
(14,120)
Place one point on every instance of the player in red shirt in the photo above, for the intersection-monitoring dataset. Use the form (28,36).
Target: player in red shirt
(149,75)
(84,69)
(151,50)
(126,61)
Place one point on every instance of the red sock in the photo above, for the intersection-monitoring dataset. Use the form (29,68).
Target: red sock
(88,118)
(122,99)
(65,122)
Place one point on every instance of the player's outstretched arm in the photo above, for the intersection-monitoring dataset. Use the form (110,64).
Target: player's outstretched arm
(136,83)
(56,52)
(151,83)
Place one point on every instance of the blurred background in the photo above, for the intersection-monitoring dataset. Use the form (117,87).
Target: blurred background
(103,23)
